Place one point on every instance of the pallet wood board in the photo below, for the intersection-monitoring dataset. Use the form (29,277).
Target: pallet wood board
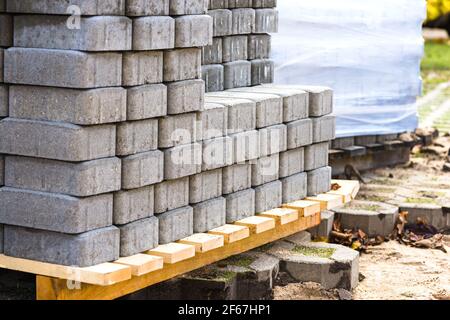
(173,252)
(231,233)
(204,242)
(281,215)
(257,224)
(328,201)
(305,208)
(141,264)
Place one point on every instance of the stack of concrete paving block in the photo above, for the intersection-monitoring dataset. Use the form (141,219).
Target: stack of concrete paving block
(98,91)
(6,40)
(240,51)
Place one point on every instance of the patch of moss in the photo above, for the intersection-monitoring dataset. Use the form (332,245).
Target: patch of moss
(240,261)
(360,206)
(420,200)
(314,252)
(214,275)
(375,198)
(432,194)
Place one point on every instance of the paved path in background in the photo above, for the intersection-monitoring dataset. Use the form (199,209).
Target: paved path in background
(434,108)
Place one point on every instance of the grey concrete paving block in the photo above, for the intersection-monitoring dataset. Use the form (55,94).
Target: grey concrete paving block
(2,55)
(262,71)
(205,186)
(212,54)
(326,226)
(187,7)
(259,46)
(320,98)
(237,74)
(139,236)
(62,68)
(213,75)
(176,224)
(236,178)
(222,22)
(234,48)
(269,108)
(2,170)
(78,179)
(265,169)
(185,96)
(212,121)
(87,7)
(239,3)
(324,128)
(147,101)
(153,33)
(101,33)
(182,64)
(83,250)
(365,140)
(243,20)
(209,214)
(63,141)
(83,107)
(4,100)
(193,31)
(241,112)
(341,143)
(245,146)
(182,161)
(319,181)
(272,140)
(217,153)
(268,196)
(55,212)
(299,133)
(177,130)
(292,162)
(264,3)
(133,205)
(295,102)
(139,8)
(6,25)
(136,137)
(1,237)
(240,205)
(266,21)
(294,187)
(316,156)
(217,4)
(142,169)
(141,68)
(387,137)
(172,194)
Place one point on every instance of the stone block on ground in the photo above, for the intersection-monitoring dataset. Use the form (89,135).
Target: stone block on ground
(82,250)
(434,214)
(175,225)
(323,230)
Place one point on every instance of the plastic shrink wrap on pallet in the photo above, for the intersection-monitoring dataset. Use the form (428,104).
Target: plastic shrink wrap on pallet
(369,52)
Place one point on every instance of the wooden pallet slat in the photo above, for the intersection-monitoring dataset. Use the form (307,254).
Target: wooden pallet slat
(141,264)
(281,215)
(305,208)
(204,242)
(327,201)
(173,252)
(104,274)
(257,224)
(348,189)
(231,233)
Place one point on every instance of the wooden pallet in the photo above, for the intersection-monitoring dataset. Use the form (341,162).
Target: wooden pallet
(130,274)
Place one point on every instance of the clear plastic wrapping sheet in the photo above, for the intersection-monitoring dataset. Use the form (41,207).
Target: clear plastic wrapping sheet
(368,52)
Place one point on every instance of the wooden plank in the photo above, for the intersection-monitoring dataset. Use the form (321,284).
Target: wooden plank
(348,189)
(257,224)
(141,264)
(327,201)
(173,252)
(305,208)
(281,215)
(56,289)
(103,274)
(204,242)
(231,233)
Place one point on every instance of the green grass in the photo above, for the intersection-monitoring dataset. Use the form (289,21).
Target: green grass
(239,261)
(435,65)
(366,207)
(314,252)
(420,200)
